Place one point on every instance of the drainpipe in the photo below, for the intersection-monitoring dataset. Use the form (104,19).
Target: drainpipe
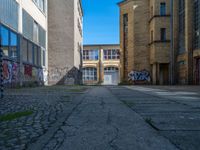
(171,45)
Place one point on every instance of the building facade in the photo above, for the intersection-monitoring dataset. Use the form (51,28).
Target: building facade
(65,36)
(23,34)
(101,64)
(145,41)
(186,41)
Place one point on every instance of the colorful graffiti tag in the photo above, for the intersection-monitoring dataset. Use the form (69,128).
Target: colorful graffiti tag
(10,72)
(141,76)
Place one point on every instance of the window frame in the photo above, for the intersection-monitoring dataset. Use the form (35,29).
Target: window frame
(111,54)
(163,9)
(163,34)
(9,46)
(91,55)
(89,74)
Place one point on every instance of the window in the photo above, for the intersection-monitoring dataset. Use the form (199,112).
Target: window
(35,51)
(41,4)
(42,37)
(162,9)
(43,57)
(163,34)
(90,54)
(13,45)
(9,42)
(111,54)
(9,13)
(89,74)
(27,25)
(5,40)
(39,57)
(30,52)
(196,41)
(24,50)
(35,32)
(181,30)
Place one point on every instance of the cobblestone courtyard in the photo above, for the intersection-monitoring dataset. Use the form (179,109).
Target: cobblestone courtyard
(100,118)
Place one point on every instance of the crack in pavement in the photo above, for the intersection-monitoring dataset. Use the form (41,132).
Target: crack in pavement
(43,140)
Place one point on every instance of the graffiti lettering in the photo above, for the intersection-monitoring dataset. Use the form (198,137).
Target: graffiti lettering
(139,76)
(10,72)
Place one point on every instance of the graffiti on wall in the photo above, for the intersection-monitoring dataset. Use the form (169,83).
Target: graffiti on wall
(139,76)
(32,73)
(13,75)
(10,72)
(28,70)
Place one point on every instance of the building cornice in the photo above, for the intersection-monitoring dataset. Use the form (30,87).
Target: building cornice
(99,45)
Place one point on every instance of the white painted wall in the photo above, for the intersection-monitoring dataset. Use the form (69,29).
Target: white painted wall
(78,39)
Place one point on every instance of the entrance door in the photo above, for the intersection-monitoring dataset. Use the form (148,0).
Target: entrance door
(164,74)
(111,76)
(107,79)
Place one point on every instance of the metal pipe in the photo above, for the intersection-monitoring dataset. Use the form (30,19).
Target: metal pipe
(172,44)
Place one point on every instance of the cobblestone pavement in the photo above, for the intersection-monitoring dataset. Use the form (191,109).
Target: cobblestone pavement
(101,118)
(48,105)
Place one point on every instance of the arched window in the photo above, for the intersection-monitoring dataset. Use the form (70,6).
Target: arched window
(89,74)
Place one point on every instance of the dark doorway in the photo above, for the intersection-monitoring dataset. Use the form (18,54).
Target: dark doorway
(164,74)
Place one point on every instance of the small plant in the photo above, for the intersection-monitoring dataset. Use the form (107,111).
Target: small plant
(13,116)
(151,123)
(149,120)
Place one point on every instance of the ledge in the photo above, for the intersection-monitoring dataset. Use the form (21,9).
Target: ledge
(154,42)
(158,16)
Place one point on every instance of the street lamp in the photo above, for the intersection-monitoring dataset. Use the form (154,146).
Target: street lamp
(1,71)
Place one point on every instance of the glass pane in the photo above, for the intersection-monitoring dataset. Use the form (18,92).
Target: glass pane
(44,58)
(13,52)
(24,50)
(4,36)
(30,53)
(5,50)
(35,55)
(35,32)
(39,56)
(13,45)
(13,39)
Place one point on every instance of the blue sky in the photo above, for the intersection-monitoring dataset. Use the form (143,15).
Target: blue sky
(101,21)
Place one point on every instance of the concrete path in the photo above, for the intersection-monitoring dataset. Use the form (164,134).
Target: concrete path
(173,111)
(102,122)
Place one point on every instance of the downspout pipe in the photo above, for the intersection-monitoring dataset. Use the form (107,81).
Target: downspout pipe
(171,72)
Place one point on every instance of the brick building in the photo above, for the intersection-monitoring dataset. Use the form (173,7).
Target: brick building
(23,32)
(145,40)
(65,38)
(186,41)
(101,64)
